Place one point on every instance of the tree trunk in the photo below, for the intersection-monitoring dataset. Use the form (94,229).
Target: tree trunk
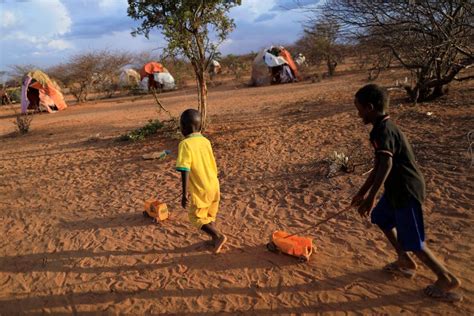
(198,88)
(331,67)
(437,92)
(84,92)
(422,94)
(202,86)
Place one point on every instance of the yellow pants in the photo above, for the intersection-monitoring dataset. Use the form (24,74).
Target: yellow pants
(203,216)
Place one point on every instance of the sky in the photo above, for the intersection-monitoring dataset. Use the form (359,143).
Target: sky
(47,32)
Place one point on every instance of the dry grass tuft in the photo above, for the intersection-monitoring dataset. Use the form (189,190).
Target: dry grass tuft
(23,122)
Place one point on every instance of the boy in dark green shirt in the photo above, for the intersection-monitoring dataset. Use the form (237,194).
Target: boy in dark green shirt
(398,213)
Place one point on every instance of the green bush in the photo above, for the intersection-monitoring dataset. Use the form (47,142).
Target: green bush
(141,133)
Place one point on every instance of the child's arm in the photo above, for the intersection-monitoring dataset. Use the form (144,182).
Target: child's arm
(183,165)
(359,197)
(184,185)
(383,165)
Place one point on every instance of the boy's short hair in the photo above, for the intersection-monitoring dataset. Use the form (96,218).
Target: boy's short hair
(375,95)
(191,117)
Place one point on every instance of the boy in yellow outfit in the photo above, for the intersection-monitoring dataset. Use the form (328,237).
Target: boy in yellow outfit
(199,173)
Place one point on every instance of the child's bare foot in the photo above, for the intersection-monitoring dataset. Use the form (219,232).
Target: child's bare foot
(404,266)
(406,261)
(442,288)
(396,269)
(219,243)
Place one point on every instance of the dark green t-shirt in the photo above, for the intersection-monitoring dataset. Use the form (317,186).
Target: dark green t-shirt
(405,179)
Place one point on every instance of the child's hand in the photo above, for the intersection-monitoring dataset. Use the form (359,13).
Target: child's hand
(184,202)
(366,206)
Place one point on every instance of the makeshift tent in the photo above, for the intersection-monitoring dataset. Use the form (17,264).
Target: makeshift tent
(158,76)
(144,84)
(150,68)
(129,77)
(40,93)
(165,79)
(273,65)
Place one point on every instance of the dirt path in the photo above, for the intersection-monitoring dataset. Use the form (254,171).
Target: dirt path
(75,240)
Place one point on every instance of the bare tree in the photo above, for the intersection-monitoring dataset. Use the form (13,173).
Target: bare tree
(17,72)
(186,25)
(237,65)
(106,78)
(433,39)
(320,37)
(87,72)
(141,58)
(373,57)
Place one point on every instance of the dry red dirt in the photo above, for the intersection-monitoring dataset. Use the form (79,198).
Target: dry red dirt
(75,241)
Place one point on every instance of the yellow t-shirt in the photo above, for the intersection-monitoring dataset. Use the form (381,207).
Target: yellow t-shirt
(195,155)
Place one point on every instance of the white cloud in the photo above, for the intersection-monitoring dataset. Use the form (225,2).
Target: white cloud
(32,30)
(226,43)
(59,44)
(122,40)
(106,3)
(8,19)
(37,21)
(285,5)
(251,9)
(41,31)
(112,4)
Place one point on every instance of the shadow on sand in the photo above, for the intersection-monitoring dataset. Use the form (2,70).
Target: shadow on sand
(340,283)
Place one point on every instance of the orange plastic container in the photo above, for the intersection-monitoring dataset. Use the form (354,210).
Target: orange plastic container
(301,247)
(155,209)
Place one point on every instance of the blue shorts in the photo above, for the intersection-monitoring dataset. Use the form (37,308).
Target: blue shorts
(408,221)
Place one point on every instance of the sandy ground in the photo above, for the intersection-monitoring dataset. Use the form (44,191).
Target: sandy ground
(75,241)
